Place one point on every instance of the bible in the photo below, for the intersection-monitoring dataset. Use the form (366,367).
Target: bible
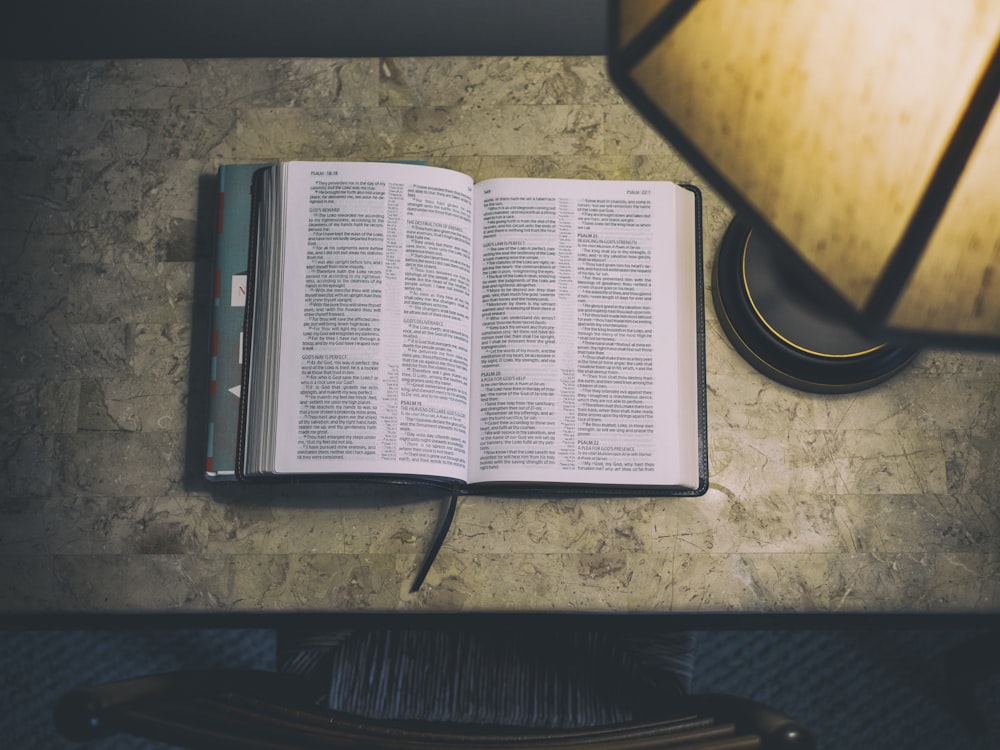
(404,323)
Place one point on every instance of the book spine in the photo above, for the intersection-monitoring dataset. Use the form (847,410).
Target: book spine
(227,308)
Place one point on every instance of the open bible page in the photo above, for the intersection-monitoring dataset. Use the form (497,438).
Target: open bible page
(376,320)
(585,351)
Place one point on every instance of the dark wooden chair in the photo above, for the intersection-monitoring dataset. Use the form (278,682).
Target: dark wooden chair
(230,709)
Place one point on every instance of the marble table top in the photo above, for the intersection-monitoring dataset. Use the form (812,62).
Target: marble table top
(886,500)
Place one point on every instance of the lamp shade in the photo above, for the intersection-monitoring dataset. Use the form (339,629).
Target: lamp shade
(861,135)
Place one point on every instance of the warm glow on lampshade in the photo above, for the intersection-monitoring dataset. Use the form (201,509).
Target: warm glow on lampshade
(861,132)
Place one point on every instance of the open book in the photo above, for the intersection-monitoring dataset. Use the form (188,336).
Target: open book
(405,323)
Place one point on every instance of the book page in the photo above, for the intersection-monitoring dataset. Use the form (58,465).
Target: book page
(585,358)
(376,325)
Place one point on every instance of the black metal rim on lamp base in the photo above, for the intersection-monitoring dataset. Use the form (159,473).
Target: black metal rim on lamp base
(782,327)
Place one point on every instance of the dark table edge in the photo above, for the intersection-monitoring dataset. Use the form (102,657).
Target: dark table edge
(485,620)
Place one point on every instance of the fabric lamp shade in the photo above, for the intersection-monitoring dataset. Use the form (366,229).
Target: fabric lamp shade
(861,135)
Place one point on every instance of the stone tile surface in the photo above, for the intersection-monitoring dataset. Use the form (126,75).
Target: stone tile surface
(887,500)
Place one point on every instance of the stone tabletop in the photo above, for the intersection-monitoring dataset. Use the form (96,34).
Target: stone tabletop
(882,501)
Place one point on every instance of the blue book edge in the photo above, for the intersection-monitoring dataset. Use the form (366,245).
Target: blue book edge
(227,308)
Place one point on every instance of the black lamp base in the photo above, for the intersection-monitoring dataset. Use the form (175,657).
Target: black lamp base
(781,326)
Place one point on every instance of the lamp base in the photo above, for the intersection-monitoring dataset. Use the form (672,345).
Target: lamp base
(781,326)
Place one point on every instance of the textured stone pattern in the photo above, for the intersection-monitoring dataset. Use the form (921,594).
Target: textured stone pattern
(881,501)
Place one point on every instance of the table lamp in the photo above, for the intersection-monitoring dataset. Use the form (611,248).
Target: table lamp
(858,142)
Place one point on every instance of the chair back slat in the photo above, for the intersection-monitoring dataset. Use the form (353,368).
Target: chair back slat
(266,711)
